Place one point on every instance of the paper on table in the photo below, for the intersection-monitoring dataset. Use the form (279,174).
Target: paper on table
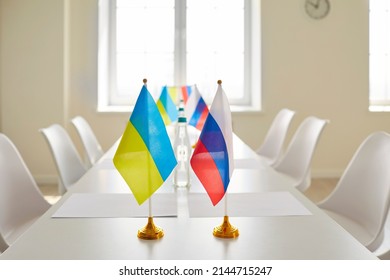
(247,205)
(115,205)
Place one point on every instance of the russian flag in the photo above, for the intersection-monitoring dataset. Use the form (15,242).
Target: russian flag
(196,109)
(186,93)
(212,159)
(145,157)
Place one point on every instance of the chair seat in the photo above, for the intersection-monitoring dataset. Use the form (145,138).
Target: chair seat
(354,228)
(65,155)
(361,198)
(383,252)
(92,148)
(272,146)
(296,161)
(21,201)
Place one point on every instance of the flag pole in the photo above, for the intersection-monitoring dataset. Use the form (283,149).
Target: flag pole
(150,231)
(150,207)
(225,204)
(225,230)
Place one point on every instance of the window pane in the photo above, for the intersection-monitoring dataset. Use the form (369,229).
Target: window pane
(133,68)
(215,46)
(144,46)
(215,28)
(203,4)
(210,45)
(145,29)
(206,68)
(379,44)
(145,3)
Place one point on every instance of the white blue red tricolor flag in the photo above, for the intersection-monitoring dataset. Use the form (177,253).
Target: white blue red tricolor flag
(186,93)
(212,159)
(196,109)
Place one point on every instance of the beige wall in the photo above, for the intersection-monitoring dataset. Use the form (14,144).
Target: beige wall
(48,74)
(31,81)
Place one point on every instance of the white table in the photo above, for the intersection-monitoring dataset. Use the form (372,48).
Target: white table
(313,236)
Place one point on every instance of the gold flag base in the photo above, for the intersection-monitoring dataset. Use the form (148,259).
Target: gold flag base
(150,231)
(226,230)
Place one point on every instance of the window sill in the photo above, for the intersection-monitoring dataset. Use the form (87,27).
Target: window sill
(128,109)
(379,108)
(115,109)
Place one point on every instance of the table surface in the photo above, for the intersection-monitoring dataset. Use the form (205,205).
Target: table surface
(297,237)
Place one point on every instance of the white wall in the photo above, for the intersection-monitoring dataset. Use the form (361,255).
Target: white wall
(316,67)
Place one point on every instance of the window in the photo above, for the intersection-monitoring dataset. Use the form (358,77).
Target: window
(379,57)
(177,42)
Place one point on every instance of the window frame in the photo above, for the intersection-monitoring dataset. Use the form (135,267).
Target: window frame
(381,104)
(107,66)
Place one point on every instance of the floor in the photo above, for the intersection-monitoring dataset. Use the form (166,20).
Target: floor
(319,189)
(50,192)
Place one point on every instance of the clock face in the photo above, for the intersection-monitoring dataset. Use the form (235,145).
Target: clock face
(317,9)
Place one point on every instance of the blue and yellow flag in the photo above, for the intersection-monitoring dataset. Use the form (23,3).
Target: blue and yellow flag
(144,157)
(167,104)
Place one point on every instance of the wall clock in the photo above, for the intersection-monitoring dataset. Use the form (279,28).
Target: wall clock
(317,9)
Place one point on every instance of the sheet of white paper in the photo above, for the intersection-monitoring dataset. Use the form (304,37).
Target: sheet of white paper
(115,205)
(247,205)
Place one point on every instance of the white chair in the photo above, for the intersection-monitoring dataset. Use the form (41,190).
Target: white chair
(68,162)
(383,251)
(360,201)
(21,201)
(271,148)
(91,145)
(296,161)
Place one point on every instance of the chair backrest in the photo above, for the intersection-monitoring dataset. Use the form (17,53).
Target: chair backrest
(68,162)
(90,143)
(20,198)
(297,159)
(363,191)
(272,146)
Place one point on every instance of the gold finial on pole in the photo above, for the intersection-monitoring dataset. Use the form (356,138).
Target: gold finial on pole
(219,82)
(145,81)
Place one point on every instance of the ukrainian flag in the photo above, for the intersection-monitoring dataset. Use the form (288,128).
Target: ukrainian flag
(167,106)
(144,157)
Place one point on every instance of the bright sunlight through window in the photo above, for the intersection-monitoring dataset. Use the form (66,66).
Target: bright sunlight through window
(175,43)
(379,55)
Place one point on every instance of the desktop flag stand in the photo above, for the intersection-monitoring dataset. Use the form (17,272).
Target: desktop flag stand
(144,157)
(212,159)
